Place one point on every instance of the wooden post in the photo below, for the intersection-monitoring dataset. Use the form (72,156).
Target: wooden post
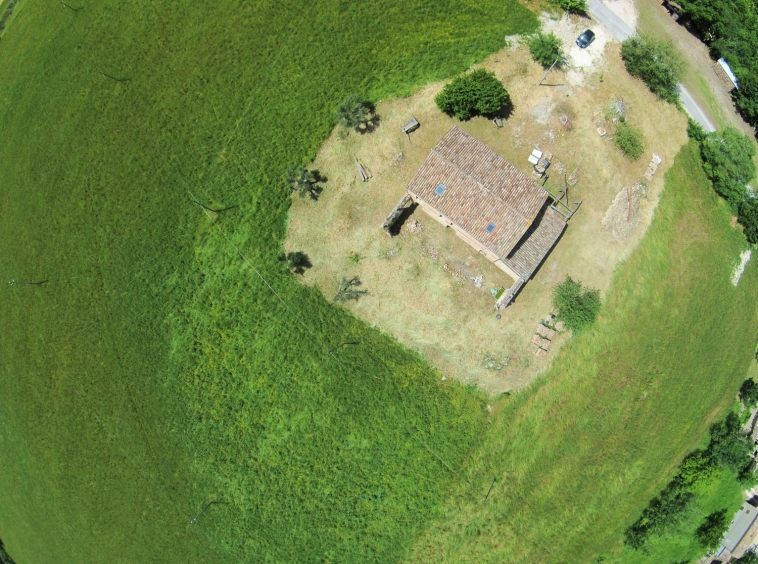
(548,71)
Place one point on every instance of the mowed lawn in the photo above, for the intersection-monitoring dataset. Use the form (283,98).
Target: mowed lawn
(578,455)
(154,372)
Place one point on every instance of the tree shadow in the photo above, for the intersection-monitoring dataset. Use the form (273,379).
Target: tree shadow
(370,125)
(502,114)
(296,262)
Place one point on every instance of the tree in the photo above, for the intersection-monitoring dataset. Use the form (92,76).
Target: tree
(728,446)
(728,162)
(749,393)
(656,63)
(629,139)
(748,218)
(355,113)
(476,93)
(546,49)
(710,532)
(296,261)
(573,6)
(304,182)
(747,558)
(577,307)
(348,290)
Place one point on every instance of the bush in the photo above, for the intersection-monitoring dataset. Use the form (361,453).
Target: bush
(546,49)
(748,218)
(355,113)
(476,93)
(747,558)
(728,162)
(656,63)
(713,528)
(629,140)
(577,308)
(729,446)
(695,131)
(304,182)
(749,393)
(572,6)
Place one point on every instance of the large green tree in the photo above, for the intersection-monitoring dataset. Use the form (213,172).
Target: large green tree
(656,63)
(577,306)
(728,162)
(476,93)
(709,533)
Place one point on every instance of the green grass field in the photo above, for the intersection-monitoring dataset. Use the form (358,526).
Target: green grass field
(154,372)
(579,455)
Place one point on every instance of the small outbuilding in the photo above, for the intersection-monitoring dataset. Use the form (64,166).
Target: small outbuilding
(741,534)
(493,206)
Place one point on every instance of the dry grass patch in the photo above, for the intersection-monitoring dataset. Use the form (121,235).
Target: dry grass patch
(420,284)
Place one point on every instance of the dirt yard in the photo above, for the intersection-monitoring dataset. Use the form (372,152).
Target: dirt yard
(424,284)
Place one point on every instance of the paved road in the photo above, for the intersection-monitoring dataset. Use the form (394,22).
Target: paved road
(621,31)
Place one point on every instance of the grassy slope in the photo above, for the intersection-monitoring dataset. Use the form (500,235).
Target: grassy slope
(154,372)
(579,455)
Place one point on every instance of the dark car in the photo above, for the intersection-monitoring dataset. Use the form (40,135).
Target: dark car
(585,39)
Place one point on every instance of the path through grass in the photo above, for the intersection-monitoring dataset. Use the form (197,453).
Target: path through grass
(579,455)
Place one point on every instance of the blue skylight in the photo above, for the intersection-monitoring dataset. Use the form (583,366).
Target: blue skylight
(491,228)
(440,189)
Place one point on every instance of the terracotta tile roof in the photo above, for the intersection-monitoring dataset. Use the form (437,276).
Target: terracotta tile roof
(481,190)
(536,243)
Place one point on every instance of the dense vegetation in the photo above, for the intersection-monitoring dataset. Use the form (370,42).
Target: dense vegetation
(476,93)
(546,49)
(572,6)
(728,161)
(730,29)
(629,139)
(727,454)
(156,371)
(577,306)
(578,456)
(656,63)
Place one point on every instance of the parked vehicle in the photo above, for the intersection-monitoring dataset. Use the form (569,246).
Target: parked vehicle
(585,39)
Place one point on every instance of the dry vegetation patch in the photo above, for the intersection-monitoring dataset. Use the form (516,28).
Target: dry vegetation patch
(425,284)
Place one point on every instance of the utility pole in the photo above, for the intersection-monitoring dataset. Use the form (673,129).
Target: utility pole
(112,77)
(489,490)
(69,7)
(17,283)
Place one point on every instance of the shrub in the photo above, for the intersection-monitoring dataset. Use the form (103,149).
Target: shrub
(577,307)
(728,162)
(749,393)
(546,49)
(656,63)
(695,131)
(748,218)
(710,532)
(476,93)
(747,558)
(354,113)
(629,140)
(304,182)
(296,261)
(573,6)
